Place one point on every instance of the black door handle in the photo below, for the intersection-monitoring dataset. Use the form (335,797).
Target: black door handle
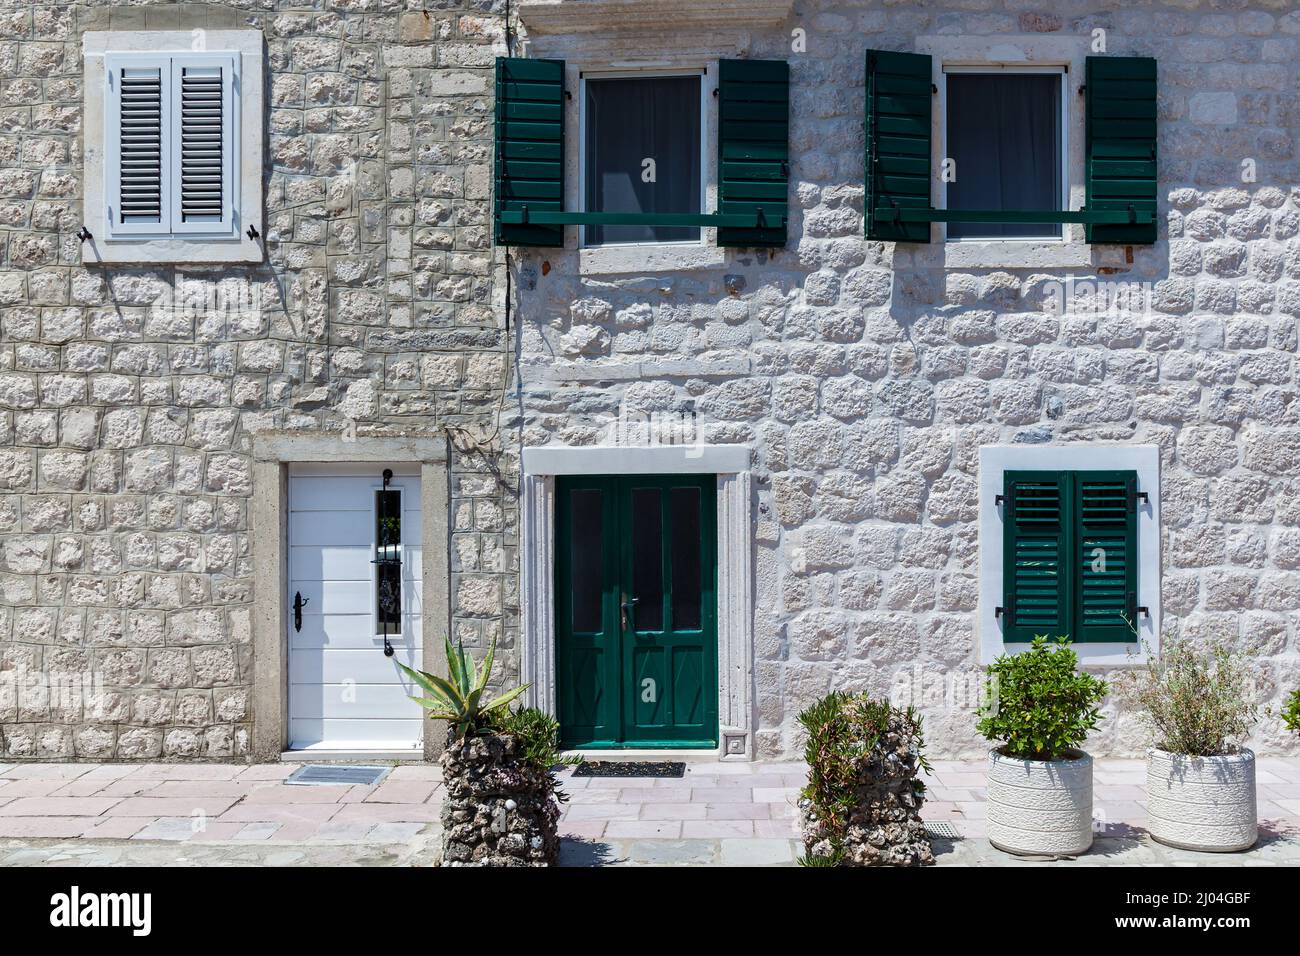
(628,607)
(299,602)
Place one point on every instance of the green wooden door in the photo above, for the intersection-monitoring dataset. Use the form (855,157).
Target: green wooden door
(636,613)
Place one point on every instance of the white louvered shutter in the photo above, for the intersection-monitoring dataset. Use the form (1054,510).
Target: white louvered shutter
(136,156)
(204,107)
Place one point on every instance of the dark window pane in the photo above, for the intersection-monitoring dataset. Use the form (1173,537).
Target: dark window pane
(1004,133)
(647,559)
(586,560)
(388,561)
(630,121)
(685,505)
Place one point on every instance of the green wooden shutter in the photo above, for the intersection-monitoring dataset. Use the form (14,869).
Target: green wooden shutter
(1105,573)
(529,150)
(899,89)
(1036,555)
(1121,143)
(754,148)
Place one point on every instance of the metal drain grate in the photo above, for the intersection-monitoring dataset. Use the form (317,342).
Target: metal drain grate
(629,768)
(944,831)
(325,775)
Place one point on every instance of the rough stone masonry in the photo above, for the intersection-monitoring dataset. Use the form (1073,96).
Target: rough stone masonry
(128,395)
(865,376)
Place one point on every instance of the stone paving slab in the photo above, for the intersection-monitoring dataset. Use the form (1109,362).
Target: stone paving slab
(720,814)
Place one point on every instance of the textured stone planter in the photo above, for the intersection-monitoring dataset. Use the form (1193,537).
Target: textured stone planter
(499,810)
(1202,803)
(1040,807)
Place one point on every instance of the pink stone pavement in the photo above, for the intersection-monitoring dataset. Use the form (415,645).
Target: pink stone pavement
(713,801)
(210,802)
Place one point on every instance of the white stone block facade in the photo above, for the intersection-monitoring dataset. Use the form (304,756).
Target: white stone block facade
(865,377)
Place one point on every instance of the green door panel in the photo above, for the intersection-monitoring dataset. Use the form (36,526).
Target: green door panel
(586,610)
(636,614)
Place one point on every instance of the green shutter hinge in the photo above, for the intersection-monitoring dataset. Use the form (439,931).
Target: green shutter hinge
(1135,496)
(1003,612)
(1009,499)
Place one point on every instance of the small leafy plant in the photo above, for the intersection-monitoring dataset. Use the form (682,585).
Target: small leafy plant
(1038,702)
(538,733)
(1291,713)
(1196,702)
(458,698)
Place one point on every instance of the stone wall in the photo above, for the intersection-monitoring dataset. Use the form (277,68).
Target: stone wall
(128,396)
(866,377)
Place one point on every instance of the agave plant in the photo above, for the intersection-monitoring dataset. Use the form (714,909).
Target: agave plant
(458,698)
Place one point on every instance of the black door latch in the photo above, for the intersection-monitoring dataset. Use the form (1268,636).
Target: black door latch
(299,602)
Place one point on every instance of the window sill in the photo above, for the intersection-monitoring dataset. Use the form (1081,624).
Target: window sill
(177,251)
(643,258)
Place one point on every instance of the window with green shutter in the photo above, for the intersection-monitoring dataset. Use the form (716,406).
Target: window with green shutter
(1070,555)
(1006,143)
(641,163)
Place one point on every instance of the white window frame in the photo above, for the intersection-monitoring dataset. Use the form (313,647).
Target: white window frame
(1084,456)
(706,129)
(994,69)
(228,241)
(989,53)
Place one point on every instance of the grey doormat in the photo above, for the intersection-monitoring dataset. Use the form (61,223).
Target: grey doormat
(324,775)
(629,768)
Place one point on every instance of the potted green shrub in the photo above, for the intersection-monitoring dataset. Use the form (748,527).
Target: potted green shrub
(862,803)
(1039,707)
(502,801)
(1200,780)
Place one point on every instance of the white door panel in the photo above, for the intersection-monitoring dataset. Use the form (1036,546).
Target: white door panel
(356,664)
(338,493)
(343,692)
(347,631)
(368,701)
(337,528)
(330,564)
(336,597)
(307,733)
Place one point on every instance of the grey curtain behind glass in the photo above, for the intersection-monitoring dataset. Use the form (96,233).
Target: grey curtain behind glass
(629,121)
(1004,131)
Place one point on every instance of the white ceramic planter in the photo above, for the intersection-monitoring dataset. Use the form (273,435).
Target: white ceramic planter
(1202,803)
(1040,807)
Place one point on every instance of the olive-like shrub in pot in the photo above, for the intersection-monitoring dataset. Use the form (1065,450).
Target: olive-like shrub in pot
(1200,779)
(1040,707)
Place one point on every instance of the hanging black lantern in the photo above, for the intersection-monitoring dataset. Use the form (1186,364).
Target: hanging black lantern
(388,559)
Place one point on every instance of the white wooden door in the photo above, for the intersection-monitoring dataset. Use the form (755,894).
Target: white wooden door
(344,693)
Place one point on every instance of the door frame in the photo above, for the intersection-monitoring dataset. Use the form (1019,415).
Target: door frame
(735,543)
(268,522)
